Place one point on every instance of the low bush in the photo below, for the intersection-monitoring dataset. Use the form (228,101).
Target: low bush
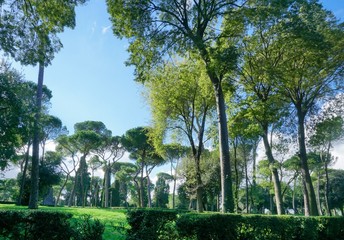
(157,224)
(41,225)
(150,224)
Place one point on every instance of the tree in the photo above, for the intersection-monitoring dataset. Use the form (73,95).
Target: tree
(309,71)
(70,157)
(136,142)
(29,35)
(162,190)
(180,99)
(325,134)
(174,152)
(262,105)
(109,152)
(336,190)
(125,176)
(11,108)
(159,28)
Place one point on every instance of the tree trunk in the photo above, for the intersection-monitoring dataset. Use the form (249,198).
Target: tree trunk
(142,202)
(227,203)
(236,177)
(274,174)
(312,204)
(305,198)
(294,200)
(327,190)
(199,187)
(246,184)
(33,203)
(72,194)
(107,180)
(318,193)
(60,192)
(148,189)
(22,184)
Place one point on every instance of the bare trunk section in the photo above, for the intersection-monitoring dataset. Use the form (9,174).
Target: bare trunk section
(318,193)
(107,183)
(148,188)
(61,189)
(274,174)
(33,203)
(142,202)
(227,202)
(236,177)
(22,184)
(312,204)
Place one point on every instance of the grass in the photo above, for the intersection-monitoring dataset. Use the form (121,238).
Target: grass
(114,219)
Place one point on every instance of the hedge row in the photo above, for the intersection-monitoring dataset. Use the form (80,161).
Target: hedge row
(39,225)
(158,224)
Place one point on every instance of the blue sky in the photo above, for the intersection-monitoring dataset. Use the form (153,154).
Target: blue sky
(89,79)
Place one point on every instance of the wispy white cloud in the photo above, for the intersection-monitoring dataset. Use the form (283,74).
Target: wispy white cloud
(106,29)
(94,27)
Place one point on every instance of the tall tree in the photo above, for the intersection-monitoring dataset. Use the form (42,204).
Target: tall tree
(162,190)
(326,133)
(11,109)
(86,138)
(136,142)
(158,28)
(51,128)
(310,70)
(181,100)
(174,152)
(109,152)
(29,34)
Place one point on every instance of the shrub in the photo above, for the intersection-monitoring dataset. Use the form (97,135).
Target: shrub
(87,228)
(41,225)
(166,225)
(151,224)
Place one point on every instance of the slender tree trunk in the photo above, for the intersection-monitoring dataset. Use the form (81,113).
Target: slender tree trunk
(174,184)
(102,197)
(305,198)
(72,194)
(327,187)
(61,189)
(107,179)
(312,204)
(236,189)
(33,203)
(246,185)
(174,193)
(318,193)
(294,200)
(22,184)
(254,173)
(274,174)
(199,187)
(142,202)
(227,202)
(148,189)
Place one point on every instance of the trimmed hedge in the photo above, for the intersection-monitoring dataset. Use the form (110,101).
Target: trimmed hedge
(157,224)
(150,224)
(41,225)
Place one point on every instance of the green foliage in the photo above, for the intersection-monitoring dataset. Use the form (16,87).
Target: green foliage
(161,190)
(24,224)
(158,224)
(150,224)
(30,28)
(336,194)
(87,228)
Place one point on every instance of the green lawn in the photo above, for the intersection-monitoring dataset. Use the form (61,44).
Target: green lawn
(114,219)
